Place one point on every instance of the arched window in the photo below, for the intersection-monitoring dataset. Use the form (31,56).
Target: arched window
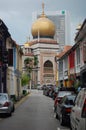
(48,67)
(48,64)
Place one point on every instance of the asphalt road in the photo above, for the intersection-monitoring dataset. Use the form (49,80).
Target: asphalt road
(35,112)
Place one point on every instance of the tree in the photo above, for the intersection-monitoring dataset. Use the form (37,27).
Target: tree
(24,79)
(35,60)
(30,64)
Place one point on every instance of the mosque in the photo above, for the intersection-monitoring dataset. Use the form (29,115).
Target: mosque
(45,48)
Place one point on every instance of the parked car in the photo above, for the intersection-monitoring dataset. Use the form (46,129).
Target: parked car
(47,89)
(55,92)
(63,109)
(59,96)
(6,104)
(43,86)
(78,112)
(39,87)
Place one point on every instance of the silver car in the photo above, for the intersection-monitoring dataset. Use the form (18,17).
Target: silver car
(78,112)
(6,104)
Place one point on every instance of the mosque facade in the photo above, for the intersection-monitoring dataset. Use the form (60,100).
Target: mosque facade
(45,47)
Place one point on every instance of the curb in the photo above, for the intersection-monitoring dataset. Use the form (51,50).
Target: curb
(21,100)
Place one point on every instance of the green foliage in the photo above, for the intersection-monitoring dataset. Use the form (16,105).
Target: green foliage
(35,60)
(77,84)
(13,98)
(28,61)
(30,64)
(25,79)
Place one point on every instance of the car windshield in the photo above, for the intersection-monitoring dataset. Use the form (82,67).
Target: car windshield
(3,97)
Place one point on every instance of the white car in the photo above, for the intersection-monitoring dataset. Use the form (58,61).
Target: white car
(78,112)
(6,104)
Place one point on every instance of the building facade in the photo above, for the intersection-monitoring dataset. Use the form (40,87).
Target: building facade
(75,59)
(45,47)
(4,34)
(10,64)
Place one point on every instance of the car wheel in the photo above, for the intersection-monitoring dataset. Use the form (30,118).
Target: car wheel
(61,119)
(56,116)
(70,127)
(9,114)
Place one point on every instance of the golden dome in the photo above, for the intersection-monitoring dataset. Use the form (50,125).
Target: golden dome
(43,27)
(26,45)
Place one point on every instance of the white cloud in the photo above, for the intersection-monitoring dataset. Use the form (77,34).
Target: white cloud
(17,14)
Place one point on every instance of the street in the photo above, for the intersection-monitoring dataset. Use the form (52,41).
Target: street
(35,113)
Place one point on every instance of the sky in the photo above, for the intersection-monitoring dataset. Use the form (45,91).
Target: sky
(17,15)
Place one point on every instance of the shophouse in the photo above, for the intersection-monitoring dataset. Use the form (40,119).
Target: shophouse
(72,63)
(10,63)
(80,40)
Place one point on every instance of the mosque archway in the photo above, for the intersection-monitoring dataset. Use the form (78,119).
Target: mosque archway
(48,67)
(48,73)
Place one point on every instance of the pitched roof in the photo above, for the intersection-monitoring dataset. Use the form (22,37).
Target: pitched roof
(66,48)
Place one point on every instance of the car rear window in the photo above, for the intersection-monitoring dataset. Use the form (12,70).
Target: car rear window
(62,94)
(70,100)
(3,97)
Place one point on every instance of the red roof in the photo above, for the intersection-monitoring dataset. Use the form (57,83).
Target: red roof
(66,48)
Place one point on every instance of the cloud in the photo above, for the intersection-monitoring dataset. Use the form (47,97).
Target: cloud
(17,14)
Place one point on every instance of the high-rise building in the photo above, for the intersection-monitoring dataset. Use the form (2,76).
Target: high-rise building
(61,20)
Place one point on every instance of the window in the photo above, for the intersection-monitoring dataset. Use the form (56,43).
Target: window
(48,64)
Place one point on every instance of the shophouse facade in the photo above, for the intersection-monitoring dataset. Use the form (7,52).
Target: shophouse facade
(14,70)
(11,67)
(80,39)
(73,70)
(4,34)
